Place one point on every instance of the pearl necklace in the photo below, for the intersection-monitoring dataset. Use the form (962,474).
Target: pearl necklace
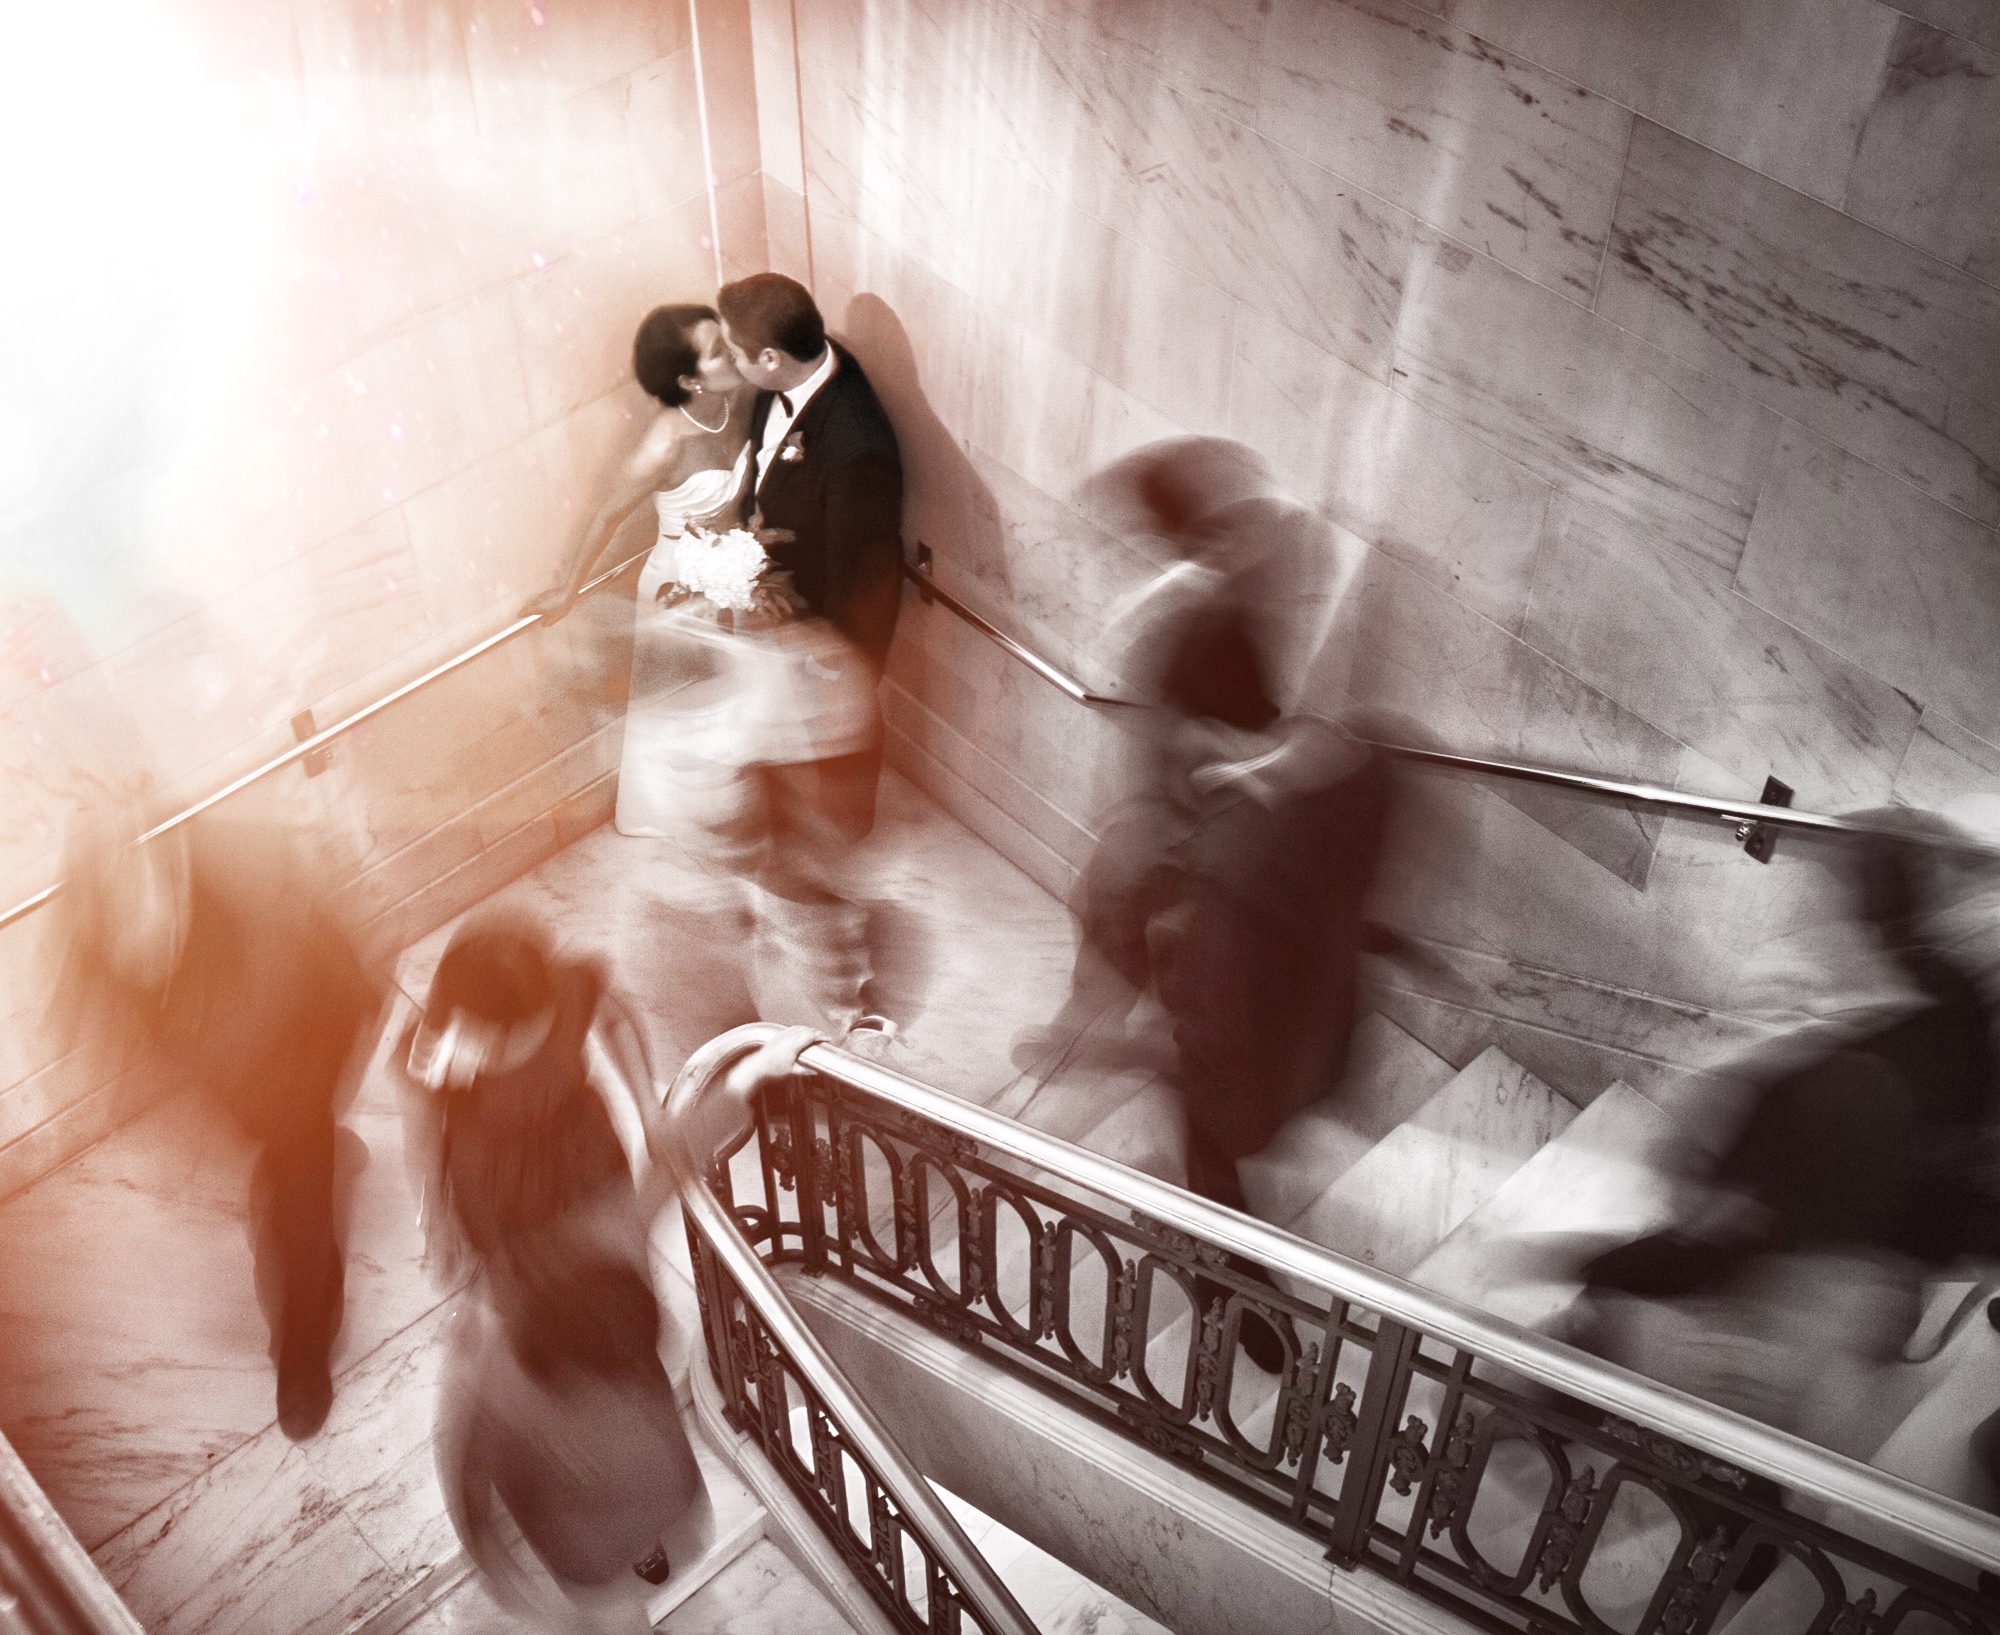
(711,430)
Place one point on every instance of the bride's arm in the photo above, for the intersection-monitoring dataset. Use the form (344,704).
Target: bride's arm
(629,485)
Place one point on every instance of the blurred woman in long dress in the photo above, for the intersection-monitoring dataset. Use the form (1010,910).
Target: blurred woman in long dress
(555,1408)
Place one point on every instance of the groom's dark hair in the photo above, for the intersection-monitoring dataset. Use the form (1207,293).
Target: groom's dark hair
(769,309)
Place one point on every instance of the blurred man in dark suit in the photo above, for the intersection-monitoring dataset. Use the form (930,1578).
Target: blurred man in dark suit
(826,497)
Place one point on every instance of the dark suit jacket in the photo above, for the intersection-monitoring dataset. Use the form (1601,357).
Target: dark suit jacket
(843,499)
(1261,986)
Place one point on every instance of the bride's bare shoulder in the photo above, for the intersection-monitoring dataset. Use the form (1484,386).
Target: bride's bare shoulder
(658,447)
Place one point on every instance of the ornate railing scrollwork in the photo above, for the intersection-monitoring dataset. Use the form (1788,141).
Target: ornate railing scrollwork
(1524,1486)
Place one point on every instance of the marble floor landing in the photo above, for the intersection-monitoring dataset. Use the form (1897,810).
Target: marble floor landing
(135,1379)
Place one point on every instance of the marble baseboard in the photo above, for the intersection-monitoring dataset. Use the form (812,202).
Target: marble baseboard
(1045,844)
(1176,1547)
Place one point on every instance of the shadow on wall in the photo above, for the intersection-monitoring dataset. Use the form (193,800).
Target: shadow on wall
(946,503)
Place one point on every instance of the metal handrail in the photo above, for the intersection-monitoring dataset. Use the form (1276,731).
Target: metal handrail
(48,1584)
(1798,1465)
(1058,679)
(991,1601)
(1730,811)
(326,735)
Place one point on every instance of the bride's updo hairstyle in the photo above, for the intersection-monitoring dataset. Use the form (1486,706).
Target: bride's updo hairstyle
(769,309)
(664,350)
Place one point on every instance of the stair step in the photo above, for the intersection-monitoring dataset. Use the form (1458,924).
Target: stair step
(739,1524)
(1604,1177)
(1390,1075)
(760,1589)
(1407,1192)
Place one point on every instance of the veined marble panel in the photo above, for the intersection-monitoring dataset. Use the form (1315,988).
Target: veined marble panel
(304,631)
(1119,143)
(1906,587)
(576,317)
(1945,761)
(400,73)
(785,231)
(1679,647)
(1058,748)
(729,74)
(562,174)
(1928,165)
(1581,403)
(1054,420)
(1414,485)
(137,1266)
(873,149)
(1973,19)
(392,422)
(663,123)
(1056,572)
(283,1556)
(1472,688)
(1281,233)
(492,534)
(1479,143)
(739,212)
(1103,297)
(526,60)
(1209,49)
(777,94)
(1781,85)
(1886,350)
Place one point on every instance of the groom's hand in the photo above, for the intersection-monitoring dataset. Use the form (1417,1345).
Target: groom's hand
(767,537)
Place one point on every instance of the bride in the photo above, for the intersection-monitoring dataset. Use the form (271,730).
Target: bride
(728,671)
(690,462)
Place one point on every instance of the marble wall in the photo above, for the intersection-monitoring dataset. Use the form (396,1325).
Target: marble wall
(1651,352)
(323,341)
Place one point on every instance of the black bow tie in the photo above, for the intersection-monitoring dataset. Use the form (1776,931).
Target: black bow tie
(787,403)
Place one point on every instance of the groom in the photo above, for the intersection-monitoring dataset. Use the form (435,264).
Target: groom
(826,496)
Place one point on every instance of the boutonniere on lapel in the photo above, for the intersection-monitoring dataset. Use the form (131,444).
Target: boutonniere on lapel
(792,450)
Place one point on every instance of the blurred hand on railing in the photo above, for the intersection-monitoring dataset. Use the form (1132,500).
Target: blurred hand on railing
(718,1120)
(551,606)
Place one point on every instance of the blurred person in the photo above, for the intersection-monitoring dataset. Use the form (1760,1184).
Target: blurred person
(1863,1165)
(825,495)
(213,949)
(683,745)
(555,1413)
(1260,981)
(1231,549)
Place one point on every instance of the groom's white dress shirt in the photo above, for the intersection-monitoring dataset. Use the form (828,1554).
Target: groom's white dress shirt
(786,408)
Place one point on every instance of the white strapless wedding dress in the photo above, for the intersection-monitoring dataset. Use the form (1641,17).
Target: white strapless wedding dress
(710,698)
(668,774)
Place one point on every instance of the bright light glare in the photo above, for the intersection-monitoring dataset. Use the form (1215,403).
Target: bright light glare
(134,192)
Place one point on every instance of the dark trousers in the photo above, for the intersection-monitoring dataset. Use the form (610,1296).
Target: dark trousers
(291,1120)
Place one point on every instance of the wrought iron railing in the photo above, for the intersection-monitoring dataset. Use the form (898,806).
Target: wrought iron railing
(1522,1484)
(781,1388)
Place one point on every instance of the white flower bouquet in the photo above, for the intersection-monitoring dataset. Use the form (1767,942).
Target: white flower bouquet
(725,567)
